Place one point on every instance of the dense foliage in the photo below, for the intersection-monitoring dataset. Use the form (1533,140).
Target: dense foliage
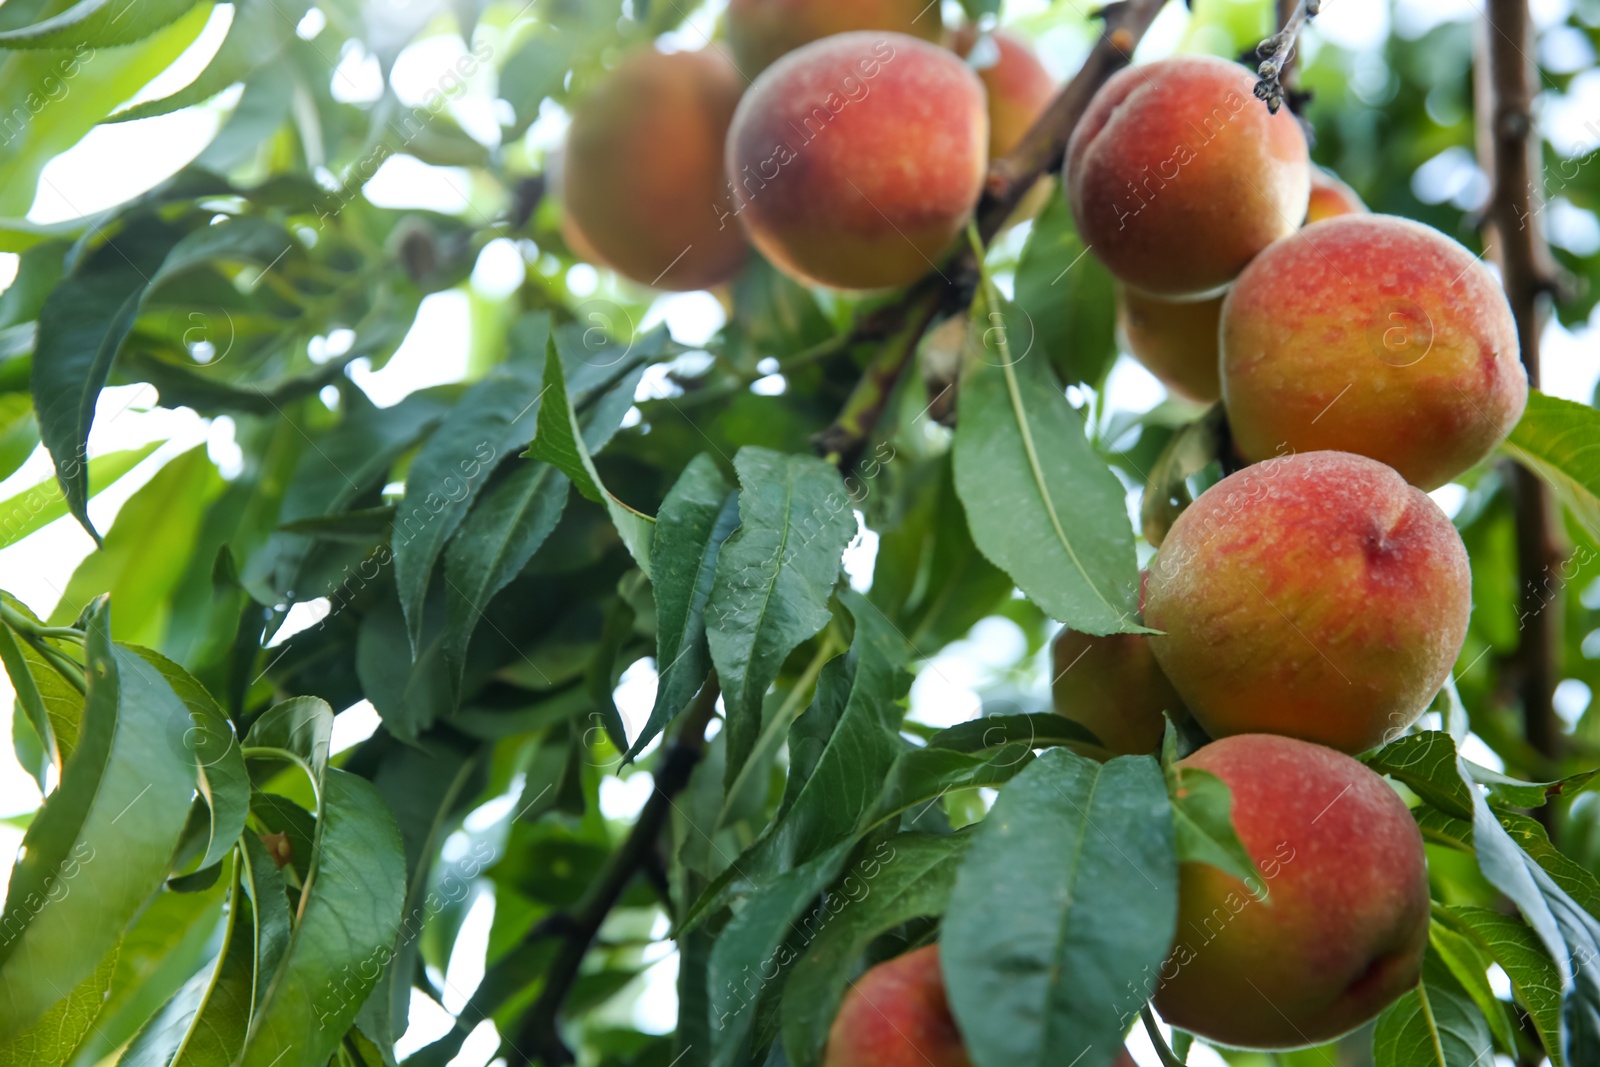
(205,883)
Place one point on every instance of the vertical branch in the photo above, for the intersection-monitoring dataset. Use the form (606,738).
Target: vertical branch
(1509,148)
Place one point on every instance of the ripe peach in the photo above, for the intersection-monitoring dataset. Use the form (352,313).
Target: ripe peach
(1345,923)
(856,159)
(1018,86)
(1113,686)
(1317,596)
(1178,176)
(1377,335)
(1176,340)
(897,1015)
(762,30)
(642,181)
(1330,196)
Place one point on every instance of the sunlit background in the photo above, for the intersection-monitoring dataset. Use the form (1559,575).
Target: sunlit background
(116,162)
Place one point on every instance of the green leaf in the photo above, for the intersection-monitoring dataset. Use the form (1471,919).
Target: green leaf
(1513,793)
(33,509)
(697,516)
(1068,894)
(1166,493)
(19,434)
(1434,1025)
(1067,296)
(749,954)
(907,877)
(52,1040)
(224,782)
(447,475)
(1426,763)
(86,870)
(302,725)
(559,441)
(1555,439)
(82,325)
(1534,978)
(511,523)
(52,705)
(774,576)
(1202,823)
(169,511)
(1469,964)
(1042,505)
(98,24)
(349,915)
(257,36)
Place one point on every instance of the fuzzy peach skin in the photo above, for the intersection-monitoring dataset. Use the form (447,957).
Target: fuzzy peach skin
(896,1015)
(1377,335)
(1018,86)
(1330,196)
(857,159)
(643,184)
(1345,924)
(1178,175)
(762,30)
(1113,686)
(1175,340)
(1316,596)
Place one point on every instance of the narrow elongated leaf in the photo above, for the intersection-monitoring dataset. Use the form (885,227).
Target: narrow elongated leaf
(1534,978)
(908,876)
(448,473)
(1555,439)
(52,1040)
(559,441)
(219,764)
(510,524)
(697,516)
(1434,1025)
(1042,506)
(774,577)
(1068,297)
(1426,762)
(346,929)
(746,956)
(33,509)
(52,704)
(1067,894)
(260,31)
(1469,964)
(98,24)
(1202,819)
(88,867)
(82,325)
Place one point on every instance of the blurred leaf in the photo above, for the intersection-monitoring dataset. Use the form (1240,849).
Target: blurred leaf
(52,1040)
(1042,505)
(301,725)
(19,433)
(1555,439)
(60,921)
(34,509)
(909,875)
(1067,894)
(98,24)
(1434,1025)
(256,37)
(774,577)
(1191,450)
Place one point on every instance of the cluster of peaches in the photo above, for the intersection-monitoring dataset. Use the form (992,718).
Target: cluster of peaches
(1304,609)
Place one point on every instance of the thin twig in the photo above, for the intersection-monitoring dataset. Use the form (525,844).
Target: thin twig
(949,289)
(1277,53)
(539,1036)
(1163,1051)
(1508,144)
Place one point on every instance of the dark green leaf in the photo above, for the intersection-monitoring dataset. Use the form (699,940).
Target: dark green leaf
(1067,295)
(774,576)
(909,876)
(1434,1025)
(301,725)
(52,1040)
(1555,439)
(1067,894)
(1426,763)
(697,516)
(1042,505)
(1534,978)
